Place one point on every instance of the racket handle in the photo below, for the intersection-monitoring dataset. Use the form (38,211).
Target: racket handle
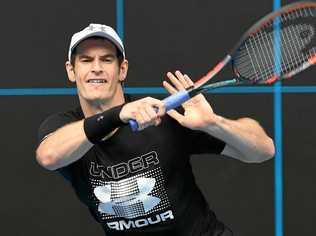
(133,124)
(170,102)
(176,99)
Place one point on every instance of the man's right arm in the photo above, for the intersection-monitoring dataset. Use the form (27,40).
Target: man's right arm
(70,142)
(63,147)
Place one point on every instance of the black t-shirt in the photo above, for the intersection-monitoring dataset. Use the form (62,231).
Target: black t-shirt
(141,183)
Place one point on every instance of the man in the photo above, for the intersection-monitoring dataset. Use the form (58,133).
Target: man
(138,183)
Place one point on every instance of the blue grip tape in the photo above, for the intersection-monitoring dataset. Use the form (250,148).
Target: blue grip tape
(133,124)
(170,102)
(176,99)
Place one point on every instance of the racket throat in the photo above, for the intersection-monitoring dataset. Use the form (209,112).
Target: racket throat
(232,82)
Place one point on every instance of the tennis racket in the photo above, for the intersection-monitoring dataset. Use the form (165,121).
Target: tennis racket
(278,46)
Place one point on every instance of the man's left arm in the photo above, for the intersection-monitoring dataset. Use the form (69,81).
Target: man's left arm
(245,139)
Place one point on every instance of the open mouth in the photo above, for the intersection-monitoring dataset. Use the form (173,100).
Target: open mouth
(96,81)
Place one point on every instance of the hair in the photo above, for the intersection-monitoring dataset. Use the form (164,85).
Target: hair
(119,54)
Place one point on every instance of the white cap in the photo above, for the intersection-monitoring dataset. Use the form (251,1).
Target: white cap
(96,30)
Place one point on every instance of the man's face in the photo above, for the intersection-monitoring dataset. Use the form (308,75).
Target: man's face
(96,71)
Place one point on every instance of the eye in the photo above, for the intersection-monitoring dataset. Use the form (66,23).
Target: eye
(108,59)
(85,60)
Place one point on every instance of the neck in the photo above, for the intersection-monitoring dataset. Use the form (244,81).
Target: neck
(90,108)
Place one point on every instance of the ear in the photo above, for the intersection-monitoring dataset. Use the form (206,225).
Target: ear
(123,70)
(70,71)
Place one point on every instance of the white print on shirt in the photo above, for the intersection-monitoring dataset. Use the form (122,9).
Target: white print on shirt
(142,195)
(128,198)
(123,225)
(120,170)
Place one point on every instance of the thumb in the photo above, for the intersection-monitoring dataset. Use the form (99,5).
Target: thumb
(176,115)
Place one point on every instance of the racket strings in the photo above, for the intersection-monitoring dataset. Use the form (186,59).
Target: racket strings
(298,13)
(301,13)
(255,59)
(304,35)
(257,71)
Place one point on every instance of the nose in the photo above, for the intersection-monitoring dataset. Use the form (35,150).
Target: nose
(97,67)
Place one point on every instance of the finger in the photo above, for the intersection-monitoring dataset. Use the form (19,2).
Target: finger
(158,104)
(169,87)
(176,83)
(182,79)
(161,110)
(188,80)
(146,118)
(146,121)
(140,121)
(176,115)
(157,121)
(152,113)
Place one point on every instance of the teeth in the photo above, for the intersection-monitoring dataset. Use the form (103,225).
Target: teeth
(96,81)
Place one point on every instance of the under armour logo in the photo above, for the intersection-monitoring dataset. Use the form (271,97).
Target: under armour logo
(91,27)
(103,28)
(100,118)
(94,27)
(128,199)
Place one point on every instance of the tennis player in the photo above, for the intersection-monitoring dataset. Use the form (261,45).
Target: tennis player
(139,183)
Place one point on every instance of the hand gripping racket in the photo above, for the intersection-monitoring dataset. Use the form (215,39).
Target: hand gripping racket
(278,46)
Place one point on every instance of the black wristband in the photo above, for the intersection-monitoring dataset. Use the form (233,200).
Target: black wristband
(97,126)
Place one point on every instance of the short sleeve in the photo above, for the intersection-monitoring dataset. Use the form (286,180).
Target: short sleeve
(54,122)
(51,124)
(204,143)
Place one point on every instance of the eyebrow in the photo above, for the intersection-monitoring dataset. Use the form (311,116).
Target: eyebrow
(111,55)
(83,56)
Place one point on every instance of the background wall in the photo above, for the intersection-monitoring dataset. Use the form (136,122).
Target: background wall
(160,36)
